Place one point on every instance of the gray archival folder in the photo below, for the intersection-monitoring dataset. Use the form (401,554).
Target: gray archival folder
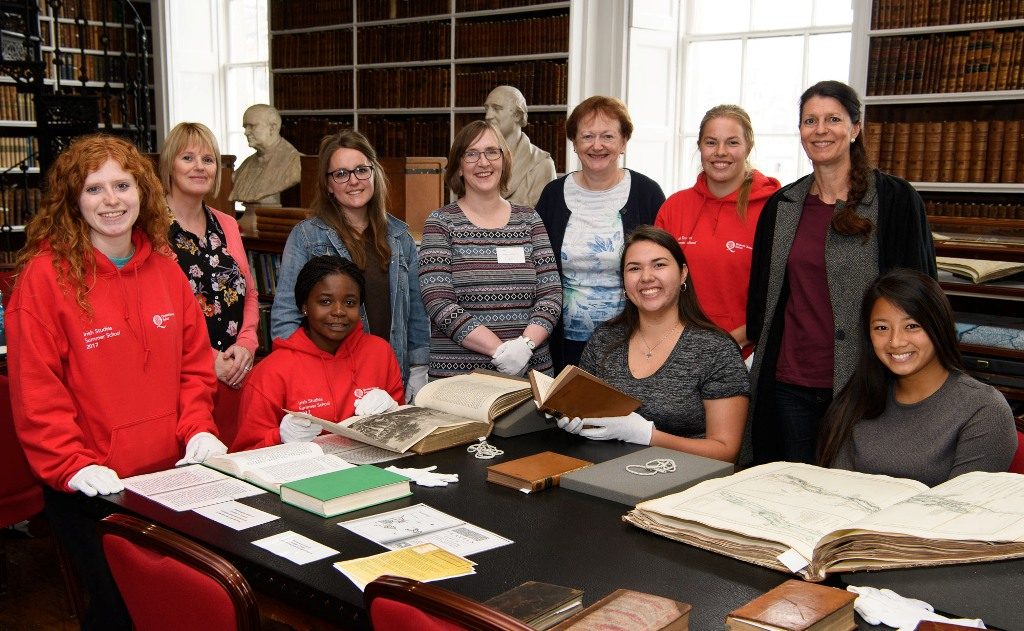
(611,481)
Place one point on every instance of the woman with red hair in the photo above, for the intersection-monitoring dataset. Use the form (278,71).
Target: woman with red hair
(108,352)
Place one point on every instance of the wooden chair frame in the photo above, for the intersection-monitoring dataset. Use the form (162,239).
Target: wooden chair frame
(162,541)
(441,603)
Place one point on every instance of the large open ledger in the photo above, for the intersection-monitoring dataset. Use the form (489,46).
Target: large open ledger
(815,521)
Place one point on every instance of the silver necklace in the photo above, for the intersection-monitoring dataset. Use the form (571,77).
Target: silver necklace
(650,349)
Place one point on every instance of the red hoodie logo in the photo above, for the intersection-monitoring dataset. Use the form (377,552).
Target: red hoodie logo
(161,320)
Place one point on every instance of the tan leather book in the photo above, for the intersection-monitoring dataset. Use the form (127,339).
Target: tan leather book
(916,151)
(900,149)
(627,610)
(932,625)
(796,606)
(994,152)
(933,152)
(577,393)
(947,163)
(534,473)
(979,150)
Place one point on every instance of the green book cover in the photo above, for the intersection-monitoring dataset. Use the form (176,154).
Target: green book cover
(329,486)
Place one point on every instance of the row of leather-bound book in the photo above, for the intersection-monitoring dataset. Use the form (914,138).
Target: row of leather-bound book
(887,14)
(948,151)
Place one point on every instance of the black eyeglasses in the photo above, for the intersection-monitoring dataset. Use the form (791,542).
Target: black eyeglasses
(473,155)
(342,175)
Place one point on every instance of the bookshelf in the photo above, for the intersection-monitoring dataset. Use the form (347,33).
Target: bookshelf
(66,68)
(943,86)
(410,74)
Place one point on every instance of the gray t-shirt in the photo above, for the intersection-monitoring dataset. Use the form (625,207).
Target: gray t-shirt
(964,426)
(703,365)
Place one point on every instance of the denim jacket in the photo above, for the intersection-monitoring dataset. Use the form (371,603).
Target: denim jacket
(410,330)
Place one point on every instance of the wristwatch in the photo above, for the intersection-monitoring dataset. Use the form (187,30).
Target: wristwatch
(529,343)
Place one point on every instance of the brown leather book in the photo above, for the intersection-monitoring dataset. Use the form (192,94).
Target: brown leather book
(900,149)
(947,163)
(962,168)
(534,473)
(932,152)
(1011,151)
(627,610)
(931,625)
(796,606)
(979,150)
(916,151)
(577,393)
(539,605)
(873,141)
(994,152)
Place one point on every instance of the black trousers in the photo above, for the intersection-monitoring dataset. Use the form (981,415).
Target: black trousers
(73,520)
(799,411)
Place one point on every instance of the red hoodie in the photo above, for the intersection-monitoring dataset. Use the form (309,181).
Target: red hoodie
(300,377)
(125,388)
(717,245)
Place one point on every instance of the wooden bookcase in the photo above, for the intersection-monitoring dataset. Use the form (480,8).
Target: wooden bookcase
(943,86)
(409,74)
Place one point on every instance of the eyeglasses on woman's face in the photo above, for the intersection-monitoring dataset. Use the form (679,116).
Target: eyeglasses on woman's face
(492,154)
(361,172)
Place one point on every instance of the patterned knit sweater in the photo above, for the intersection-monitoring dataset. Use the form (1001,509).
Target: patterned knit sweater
(503,278)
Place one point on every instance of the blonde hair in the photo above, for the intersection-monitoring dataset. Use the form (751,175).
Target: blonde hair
(183,136)
(738,114)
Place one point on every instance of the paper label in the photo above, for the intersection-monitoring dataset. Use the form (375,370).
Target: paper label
(511,254)
(793,560)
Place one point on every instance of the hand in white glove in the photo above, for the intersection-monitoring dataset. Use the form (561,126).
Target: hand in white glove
(93,478)
(375,401)
(512,356)
(426,477)
(884,606)
(417,379)
(297,430)
(571,425)
(632,429)
(200,447)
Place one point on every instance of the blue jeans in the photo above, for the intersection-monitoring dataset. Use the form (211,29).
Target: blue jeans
(799,411)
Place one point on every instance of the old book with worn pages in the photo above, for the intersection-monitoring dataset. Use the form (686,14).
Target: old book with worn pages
(534,473)
(539,605)
(796,606)
(627,610)
(577,393)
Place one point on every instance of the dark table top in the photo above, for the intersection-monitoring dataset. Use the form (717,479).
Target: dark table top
(559,536)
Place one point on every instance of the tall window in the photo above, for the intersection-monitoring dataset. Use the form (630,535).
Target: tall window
(245,73)
(761,54)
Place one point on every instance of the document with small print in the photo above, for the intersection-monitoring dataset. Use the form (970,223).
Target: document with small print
(186,488)
(420,524)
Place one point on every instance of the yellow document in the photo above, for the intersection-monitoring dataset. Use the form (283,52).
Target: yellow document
(425,562)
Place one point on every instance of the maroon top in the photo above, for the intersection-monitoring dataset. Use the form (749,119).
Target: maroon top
(806,356)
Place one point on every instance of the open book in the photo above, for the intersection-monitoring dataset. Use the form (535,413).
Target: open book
(448,412)
(978,270)
(815,521)
(270,467)
(577,393)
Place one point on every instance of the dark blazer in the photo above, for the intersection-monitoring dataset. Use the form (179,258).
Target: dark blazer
(901,238)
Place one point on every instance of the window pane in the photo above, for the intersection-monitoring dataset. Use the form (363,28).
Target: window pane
(713,76)
(779,156)
(828,57)
(832,12)
(690,161)
(772,84)
(720,16)
(247,31)
(771,14)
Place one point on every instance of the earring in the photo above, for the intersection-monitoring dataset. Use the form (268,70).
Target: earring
(303,311)
(683,286)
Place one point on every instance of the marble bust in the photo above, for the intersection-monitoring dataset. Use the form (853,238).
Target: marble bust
(274,167)
(532,167)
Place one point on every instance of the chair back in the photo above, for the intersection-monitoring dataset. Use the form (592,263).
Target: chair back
(21,495)
(170,582)
(1017,464)
(397,604)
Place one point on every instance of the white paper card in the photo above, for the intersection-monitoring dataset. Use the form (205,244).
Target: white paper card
(236,515)
(511,254)
(296,548)
(405,527)
(793,560)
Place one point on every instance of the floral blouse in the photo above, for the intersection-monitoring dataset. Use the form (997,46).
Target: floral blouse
(214,276)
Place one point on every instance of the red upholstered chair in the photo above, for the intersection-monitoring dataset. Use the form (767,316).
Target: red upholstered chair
(170,582)
(21,496)
(1017,464)
(398,604)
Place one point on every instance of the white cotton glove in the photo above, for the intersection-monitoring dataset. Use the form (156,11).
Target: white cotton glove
(200,447)
(297,430)
(571,425)
(375,401)
(417,379)
(884,606)
(426,477)
(93,478)
(632,429)
(512,356)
